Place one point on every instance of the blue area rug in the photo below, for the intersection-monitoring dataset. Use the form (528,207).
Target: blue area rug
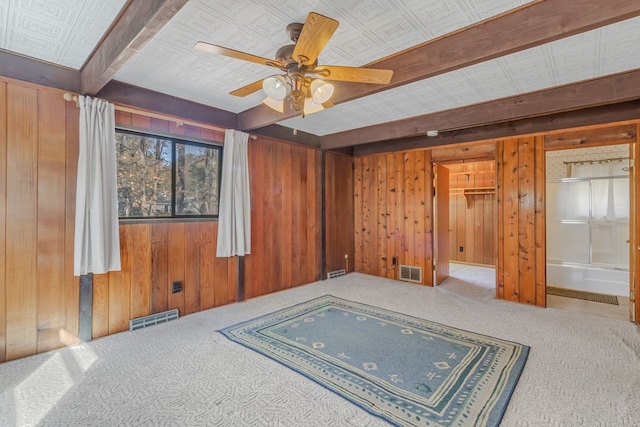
(409,371)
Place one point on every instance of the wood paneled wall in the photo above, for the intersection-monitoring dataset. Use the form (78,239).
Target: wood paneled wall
(521,267)
(339,213)
(472,212)
(393,213)
(39,296)
(38,158)
(285,216)
(156,254)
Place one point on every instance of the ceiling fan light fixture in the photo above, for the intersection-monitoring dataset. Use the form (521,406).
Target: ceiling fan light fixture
(310,106)
(276,87)
(275,104)
(321,91)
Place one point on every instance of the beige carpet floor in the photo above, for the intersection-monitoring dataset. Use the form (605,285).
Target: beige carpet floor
(582,370)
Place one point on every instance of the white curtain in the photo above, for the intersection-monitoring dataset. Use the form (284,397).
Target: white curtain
(97,242)
(234,211)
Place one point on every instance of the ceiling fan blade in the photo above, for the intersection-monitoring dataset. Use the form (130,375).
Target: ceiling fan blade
(231,53)
(248,89)
(353,74)
(316,32)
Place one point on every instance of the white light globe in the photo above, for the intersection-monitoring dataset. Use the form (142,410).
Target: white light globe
(321,91)
(275,87)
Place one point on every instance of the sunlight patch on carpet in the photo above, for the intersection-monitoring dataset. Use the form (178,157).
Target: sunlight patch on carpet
(409,371)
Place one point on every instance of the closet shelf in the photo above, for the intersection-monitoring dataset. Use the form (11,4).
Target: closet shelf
(472,191)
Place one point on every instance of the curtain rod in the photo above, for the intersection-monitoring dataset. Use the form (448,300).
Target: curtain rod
(613,159)
(179,122)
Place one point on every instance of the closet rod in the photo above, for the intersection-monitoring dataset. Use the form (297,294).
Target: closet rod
(613,159)
(179,122)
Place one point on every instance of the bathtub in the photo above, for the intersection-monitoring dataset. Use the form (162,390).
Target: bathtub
(590,278)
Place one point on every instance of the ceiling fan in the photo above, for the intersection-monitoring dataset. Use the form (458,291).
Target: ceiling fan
(304,82)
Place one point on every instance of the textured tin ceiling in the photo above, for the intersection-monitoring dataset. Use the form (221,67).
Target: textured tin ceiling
(65,32)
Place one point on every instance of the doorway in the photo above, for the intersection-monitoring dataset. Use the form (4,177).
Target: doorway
(472,213)
(471,232)
(588,230)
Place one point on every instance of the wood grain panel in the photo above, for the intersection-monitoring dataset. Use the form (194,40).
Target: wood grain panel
(192,268)
(420,213)
(540,224)
(175,266)
(500,186)
(595,137)
(526,220)
(392,229)
(466,152)
(314,209)
(275,206)
(394,197)
(21,234)
(358,208)
(511,217)
(339,226)
(140,269)
(159,268)
(208,240)
(51,220)
(100,306)
(302,223)
(367,257)
(399,207)
(409,214)
(287,215)
(521,261)
(3,220)
(254,260)
(232,280)
(71,282)
(120,287)
(265,269)
(220,294)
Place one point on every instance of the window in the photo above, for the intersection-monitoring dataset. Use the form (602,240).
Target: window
(163,177)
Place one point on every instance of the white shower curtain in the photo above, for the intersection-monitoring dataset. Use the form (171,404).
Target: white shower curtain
(234,217)
(97,240)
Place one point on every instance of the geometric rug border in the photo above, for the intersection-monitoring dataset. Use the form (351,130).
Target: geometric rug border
(494,415)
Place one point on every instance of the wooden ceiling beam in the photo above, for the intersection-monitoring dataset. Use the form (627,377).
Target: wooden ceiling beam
(614,113)
(145,99)
(136,25)
(531,25)
(589,93)
(43,73)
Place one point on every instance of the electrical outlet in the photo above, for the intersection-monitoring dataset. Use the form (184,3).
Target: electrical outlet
(461,248)
(394,260)
(176,287)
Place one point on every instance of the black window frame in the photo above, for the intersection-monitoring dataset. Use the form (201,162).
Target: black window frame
(174,141)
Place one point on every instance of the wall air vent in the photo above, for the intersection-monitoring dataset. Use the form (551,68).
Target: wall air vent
(337,273)
(154,319)
(411,274)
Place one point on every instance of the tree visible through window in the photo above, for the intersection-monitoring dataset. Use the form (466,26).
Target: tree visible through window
(166,177)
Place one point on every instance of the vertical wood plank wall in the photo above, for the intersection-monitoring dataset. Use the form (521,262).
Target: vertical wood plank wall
(39,296)
(285,217)
(471,215)
(38,154)
(393,199)
(339,213)
(521,230)
(154,255)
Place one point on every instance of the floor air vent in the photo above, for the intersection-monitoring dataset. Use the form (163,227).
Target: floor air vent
(337,273)
(411,274)
(154,319)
